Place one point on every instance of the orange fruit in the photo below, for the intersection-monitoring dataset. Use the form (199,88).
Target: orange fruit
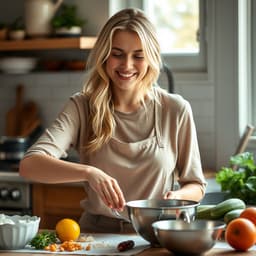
(250,214)
(240,234)
(67,229)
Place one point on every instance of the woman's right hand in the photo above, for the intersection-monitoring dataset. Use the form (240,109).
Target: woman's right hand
(107,188)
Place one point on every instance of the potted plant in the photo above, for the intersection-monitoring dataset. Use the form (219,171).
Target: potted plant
(17,29)
(66,22)
(239,178)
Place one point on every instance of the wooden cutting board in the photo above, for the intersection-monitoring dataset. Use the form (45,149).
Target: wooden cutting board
(23,118)
(30,118)
(13,116)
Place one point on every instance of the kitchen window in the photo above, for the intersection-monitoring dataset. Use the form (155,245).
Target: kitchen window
(247,63)
(253,69)
(181,26)
(247,66)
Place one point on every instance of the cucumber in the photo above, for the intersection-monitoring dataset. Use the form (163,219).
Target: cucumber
(204,211)
(228,205)
(233,214)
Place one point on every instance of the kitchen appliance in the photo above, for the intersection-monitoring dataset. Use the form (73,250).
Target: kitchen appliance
(23,127)
(15,191)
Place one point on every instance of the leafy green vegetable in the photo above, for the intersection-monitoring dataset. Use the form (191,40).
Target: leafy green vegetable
(41,240)
(240,178)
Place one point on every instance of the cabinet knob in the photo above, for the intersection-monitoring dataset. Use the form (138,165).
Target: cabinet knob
(15,194)
(4,193)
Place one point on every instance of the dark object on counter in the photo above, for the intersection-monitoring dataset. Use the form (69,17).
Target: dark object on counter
(125,245)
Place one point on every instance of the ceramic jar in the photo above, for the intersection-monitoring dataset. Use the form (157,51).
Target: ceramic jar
(38,15)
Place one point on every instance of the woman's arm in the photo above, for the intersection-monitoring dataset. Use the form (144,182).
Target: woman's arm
(187,192)
(189,168)
(47,169)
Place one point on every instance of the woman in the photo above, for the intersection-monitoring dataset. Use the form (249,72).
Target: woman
(131,136)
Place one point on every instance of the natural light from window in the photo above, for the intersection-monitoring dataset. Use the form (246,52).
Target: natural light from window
(177,24)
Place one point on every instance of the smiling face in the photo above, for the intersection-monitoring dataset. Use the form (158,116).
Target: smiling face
(126,65)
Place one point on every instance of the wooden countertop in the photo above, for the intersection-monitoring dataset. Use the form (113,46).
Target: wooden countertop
(150,252)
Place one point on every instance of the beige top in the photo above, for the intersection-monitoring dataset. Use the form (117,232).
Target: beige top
(146,149)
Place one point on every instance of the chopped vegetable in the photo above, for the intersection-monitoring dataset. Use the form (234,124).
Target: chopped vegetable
(240,178)
(43,239)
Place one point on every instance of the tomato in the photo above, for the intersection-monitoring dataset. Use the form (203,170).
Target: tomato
(240,234)
(250,214)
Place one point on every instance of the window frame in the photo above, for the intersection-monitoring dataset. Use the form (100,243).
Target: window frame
(253,61)
(178,62)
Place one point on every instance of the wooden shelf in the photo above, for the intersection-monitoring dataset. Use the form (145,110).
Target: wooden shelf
(48,43)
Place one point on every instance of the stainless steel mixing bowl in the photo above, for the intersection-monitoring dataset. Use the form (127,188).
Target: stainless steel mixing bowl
(143,213)
(192,238)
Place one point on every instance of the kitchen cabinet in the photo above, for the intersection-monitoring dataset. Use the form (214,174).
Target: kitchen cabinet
(54,202)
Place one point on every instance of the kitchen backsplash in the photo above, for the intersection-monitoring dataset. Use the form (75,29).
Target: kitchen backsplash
(51,90)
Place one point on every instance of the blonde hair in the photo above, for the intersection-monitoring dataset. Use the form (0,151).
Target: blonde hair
(97,87)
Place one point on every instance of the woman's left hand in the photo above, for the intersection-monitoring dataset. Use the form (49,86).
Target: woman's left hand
(172,195)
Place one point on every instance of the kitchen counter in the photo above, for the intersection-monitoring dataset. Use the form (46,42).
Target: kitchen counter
(105,244)
(220,248)
(150,252)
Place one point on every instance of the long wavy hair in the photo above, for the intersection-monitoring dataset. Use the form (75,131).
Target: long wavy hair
(97,87)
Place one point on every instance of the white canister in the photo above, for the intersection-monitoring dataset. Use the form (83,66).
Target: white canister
(38,16)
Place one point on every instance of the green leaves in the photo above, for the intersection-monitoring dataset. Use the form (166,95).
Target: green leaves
(67,17)
(241,181)
(41,240)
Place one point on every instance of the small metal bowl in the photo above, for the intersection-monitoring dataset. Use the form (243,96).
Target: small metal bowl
(184,238)
(143,213)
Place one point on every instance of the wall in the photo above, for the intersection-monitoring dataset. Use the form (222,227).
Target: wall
(208,93)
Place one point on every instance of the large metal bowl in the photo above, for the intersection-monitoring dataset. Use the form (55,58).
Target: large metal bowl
(143,213)
(184,238)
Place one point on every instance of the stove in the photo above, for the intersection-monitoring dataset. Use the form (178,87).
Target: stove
(15,191)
